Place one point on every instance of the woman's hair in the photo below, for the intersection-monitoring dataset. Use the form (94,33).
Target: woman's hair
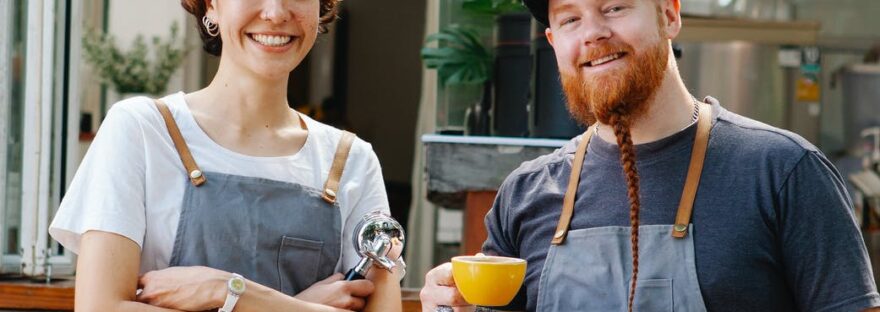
(214,45)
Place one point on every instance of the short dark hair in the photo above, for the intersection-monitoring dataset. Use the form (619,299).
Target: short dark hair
(214,45)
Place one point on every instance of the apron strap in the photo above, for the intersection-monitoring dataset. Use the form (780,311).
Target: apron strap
(695,169)
(686,205)
(331,186)
(195,175)
(573,181)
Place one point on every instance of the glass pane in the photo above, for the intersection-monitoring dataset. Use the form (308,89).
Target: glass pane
(13,127)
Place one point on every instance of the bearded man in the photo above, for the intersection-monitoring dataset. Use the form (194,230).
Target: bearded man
(666,203)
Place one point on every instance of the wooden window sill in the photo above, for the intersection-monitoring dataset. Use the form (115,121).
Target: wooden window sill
(37,296)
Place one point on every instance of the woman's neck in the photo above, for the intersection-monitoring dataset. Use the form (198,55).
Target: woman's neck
(244,100)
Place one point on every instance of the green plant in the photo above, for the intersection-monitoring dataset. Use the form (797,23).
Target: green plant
(132,71)
(493,7)
(459,57)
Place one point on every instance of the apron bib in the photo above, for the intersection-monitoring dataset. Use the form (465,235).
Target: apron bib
(591,269)
(282,235)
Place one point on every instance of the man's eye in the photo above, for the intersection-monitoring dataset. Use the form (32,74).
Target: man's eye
(614,9)
(569,20)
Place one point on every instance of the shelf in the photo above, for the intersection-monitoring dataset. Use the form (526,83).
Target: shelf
(695,29)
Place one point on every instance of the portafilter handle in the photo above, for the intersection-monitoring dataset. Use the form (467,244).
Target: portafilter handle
(374,238)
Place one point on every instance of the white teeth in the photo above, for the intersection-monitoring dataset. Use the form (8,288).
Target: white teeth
(272,41)
(605,59)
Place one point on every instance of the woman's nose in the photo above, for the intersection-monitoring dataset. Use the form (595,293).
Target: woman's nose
(275,11)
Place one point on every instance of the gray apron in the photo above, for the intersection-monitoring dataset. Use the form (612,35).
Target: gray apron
(282,235)
(592,270)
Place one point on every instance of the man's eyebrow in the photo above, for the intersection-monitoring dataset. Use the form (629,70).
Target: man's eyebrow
(559,8)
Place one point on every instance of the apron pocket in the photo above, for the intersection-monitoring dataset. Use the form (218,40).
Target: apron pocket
(298,262)
(653,295)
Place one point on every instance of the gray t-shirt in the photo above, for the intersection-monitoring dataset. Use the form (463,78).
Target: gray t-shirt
(773,224)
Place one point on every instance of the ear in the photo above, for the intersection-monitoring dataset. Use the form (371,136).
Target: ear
(211,10)
(549,34)
(671,9)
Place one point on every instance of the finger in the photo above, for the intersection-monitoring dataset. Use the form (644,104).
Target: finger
(355,303)
(441,275)
(442,295)
(331,279)
(480,254)
(360,288)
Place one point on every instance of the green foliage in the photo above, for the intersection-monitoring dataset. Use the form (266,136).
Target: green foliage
(460,58)
(493,7)
(132,71)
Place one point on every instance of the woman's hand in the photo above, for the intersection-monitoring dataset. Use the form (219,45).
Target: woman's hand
(195,288)
(335,292)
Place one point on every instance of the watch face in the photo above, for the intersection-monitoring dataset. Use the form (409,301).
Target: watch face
(236,285)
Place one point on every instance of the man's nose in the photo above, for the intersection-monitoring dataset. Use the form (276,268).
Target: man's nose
(594,30)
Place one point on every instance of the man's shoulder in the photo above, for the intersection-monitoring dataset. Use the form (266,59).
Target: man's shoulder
(751,138)
(552,161)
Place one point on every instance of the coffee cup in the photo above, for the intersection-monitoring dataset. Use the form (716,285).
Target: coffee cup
(490,281)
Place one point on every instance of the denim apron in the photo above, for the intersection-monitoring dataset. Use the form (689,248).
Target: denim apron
(282,235)
(591,270)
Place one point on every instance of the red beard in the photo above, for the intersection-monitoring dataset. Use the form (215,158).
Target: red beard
(624,91)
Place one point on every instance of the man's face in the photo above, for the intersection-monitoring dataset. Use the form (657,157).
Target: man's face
(612,54)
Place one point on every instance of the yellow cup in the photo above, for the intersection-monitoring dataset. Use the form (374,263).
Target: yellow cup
(488,280)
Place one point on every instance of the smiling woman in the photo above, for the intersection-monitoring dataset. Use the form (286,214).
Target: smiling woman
(214,44)
(227,186)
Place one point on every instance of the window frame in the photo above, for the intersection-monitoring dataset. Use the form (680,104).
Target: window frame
(50,132)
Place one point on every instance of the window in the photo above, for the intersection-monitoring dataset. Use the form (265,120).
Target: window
(35,139)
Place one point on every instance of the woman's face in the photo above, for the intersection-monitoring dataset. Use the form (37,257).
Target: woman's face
(267,37)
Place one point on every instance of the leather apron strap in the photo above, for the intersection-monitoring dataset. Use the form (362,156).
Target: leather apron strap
(331,186)
(695,170)
(195,174)
(685,207)
(573,181)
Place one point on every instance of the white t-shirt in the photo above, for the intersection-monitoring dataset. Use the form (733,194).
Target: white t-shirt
(130,180)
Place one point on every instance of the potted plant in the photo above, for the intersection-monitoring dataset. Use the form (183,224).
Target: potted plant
(133,71)
(465,66)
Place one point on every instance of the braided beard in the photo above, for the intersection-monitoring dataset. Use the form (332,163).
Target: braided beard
(618,98)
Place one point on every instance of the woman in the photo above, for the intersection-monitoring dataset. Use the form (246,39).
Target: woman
(177,196)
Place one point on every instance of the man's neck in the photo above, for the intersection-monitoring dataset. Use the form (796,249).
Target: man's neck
(670,110)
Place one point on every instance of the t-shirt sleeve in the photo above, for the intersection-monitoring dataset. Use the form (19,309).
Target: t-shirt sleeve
(825,259)
(498,242)
(107,191)
(368,195)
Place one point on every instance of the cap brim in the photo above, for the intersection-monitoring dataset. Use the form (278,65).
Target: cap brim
(539,10)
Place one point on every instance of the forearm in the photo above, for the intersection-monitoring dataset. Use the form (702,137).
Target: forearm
(261,298)
(386,296)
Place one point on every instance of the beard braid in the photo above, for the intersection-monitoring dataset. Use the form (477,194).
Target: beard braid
(618,99)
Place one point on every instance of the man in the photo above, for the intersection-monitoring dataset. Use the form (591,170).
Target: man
(667,203)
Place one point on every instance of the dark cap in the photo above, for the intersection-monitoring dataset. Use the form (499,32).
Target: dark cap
(539,10)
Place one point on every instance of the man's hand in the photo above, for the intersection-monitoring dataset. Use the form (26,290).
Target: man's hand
(440,290)
(335,292)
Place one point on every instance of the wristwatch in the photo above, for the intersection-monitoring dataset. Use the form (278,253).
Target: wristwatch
(235,288)
(402,265)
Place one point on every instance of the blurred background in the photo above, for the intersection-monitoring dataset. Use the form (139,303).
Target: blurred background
(453,95)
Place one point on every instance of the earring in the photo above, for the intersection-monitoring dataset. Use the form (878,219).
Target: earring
(212,28)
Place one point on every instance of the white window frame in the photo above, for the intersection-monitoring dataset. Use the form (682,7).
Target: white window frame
(5,101)
(42,121)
